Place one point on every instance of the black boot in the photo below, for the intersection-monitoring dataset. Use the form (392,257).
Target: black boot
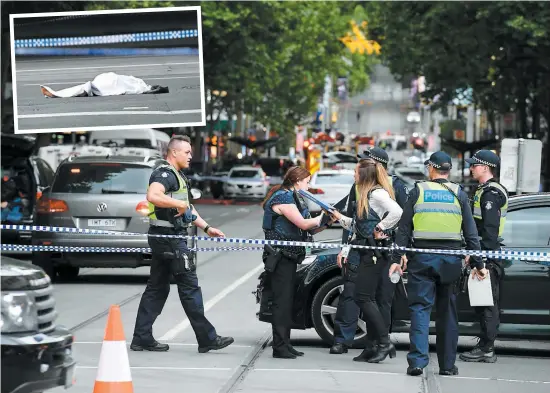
(283,354)
(368,352)
(155,346)
(338,349)
(294,351)
(382,351)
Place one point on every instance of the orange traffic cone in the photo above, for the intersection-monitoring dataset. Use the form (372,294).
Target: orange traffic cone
(113,372)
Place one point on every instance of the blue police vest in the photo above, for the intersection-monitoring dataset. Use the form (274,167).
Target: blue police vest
(364,227)
(280,224)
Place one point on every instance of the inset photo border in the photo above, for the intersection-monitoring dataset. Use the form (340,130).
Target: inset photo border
(107,70)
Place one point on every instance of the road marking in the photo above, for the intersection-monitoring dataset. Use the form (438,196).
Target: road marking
(136,107)
(243,210)
(81,82)
(110,113)
(207,219)
(111,66)
(165,368)
(392,373)
(172,333)
(169,343)
(224,214)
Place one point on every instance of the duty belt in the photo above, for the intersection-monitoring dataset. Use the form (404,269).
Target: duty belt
(160,223)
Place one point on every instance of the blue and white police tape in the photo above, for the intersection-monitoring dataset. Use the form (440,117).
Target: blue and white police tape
(146,250)
(503,254)
(105,39)
(106,51)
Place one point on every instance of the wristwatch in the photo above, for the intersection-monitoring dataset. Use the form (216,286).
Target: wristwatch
(206,228)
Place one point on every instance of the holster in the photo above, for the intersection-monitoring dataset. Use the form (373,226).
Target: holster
(180,262)
(349,271)
(272,259)
(462,283)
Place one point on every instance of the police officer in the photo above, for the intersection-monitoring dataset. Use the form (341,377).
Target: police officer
(435,214)
(169,210)
(489,205)
(286,217)
(347,312)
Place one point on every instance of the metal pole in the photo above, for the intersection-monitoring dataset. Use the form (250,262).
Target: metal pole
(521,152)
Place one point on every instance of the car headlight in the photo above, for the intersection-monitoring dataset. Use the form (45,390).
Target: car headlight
(19,312)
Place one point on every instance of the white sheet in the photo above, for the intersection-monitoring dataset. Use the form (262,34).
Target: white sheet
(480,292)
(106,84)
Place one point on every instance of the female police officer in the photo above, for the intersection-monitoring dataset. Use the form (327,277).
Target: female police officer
(376,199)
(286,217)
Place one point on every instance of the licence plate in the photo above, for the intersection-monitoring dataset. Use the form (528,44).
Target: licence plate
(101,222)
(70,376)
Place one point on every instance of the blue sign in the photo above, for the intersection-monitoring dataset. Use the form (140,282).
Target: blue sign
(438,196)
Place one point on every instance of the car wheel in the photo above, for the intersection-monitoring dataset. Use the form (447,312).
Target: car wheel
(68,272)
(323,313)
(44,261)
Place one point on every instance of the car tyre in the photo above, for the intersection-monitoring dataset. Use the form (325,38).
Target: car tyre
(44,261)
(319,321)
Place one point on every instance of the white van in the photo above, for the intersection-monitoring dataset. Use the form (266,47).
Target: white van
(140,142)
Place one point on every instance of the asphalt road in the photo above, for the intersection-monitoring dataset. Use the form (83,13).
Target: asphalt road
(227,280)
(182,105)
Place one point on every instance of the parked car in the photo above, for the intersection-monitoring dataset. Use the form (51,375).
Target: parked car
(525,297)
(246,182)
(340,160)
(329,186)
(36,353)
(27,175)
(106,193)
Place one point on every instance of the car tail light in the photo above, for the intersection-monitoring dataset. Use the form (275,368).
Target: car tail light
(143,208)
(38,195)
(47,206)
(316,191)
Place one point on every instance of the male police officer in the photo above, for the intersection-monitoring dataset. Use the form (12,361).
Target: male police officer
(489,206)
(347,313)
(168,198)
(434,216)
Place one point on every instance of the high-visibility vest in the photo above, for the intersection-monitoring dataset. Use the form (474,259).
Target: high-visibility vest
(437,212)
(181,194)
(503,209)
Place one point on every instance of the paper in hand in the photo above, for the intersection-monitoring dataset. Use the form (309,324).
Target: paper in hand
(480,292)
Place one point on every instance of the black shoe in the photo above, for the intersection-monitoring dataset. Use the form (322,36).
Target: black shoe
(294,351)
(382,351)
(219,343)
(338,349)
(283,354)
(414,371)
(480,354)
(155,346)
(452,371)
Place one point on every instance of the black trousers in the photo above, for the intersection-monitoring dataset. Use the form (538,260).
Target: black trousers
(489,317)
(366,287)
(282,284)
(157,290)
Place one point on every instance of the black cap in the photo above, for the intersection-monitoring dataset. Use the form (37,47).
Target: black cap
(440,160)
(484,157)
(377,154)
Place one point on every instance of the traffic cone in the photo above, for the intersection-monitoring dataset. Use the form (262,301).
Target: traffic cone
(113,372)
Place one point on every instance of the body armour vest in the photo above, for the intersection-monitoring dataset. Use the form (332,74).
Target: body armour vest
(280,224)
(364,227)
(477,205)
(181,194)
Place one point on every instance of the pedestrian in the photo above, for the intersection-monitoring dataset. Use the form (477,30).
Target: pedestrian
(489,205)
(286,217)
(435,214)
(170,212)
(347,312)
(375,199)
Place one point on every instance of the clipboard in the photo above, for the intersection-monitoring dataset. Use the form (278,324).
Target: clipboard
(312,198)
(480,292)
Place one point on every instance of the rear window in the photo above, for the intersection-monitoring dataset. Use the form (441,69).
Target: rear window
(102,178)
(334,178)
(244,174)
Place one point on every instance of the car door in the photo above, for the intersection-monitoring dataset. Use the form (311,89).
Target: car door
(525,295)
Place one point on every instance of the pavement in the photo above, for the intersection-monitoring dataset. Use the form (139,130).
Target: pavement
(227,280)
(182,105)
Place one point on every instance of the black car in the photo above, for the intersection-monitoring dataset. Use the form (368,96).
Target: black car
(24,177)
(526,288)
(36,354)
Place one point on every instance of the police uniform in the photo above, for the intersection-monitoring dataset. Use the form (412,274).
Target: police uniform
(490,205)
(436,213)
(347,312)
(283,276)
(166,255)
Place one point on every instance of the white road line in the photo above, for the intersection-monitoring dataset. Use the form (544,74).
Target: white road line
(164,368)
(107,66)
(224,214)
(81,82)
(109,113)
(172,333)
(136,107)
(392,373)
(169,343)
(207,219)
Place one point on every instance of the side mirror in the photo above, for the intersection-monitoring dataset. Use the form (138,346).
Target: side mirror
(196,193)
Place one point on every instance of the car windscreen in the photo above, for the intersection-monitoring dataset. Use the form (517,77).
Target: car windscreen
(244,174)
(334,178)
(102,178)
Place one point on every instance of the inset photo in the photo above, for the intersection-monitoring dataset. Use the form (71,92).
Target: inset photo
(105,70)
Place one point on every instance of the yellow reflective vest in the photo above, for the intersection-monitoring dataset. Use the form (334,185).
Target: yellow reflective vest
(181,194)
(503,209)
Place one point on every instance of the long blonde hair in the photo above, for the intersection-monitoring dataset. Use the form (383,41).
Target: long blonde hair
(371,175)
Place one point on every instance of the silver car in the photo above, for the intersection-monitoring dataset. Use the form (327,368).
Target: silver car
(246,182)
(105,193)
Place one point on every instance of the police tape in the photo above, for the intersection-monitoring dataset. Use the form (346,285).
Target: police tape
(501,254)
(142,250)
